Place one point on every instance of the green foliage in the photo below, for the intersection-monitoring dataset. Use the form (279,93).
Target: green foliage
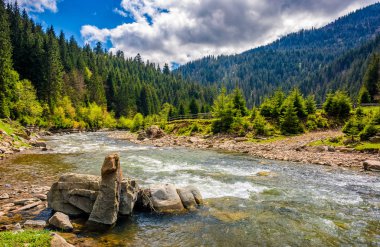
(310,104)
(239,104)
(25,106)
(125,123)
(364,96)
(261,126)
(194,107)
(138,122)
(31,238)
(371,77)
(352,128)
(223,111)
(369,131)
(289,121)
(316,121)
(295,98)
(338,105)
(271,108)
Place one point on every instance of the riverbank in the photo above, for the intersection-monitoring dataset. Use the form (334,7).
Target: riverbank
(296,148)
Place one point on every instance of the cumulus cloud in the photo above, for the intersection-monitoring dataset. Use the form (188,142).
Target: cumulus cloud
(180,31)
(38,6)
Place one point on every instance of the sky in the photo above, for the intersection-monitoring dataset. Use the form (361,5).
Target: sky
(179,31)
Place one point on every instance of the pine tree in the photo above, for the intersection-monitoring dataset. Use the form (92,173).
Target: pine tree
(166,69)
(239,104)
(194,107)
(311,106)
(53,70)
(8,77)
(289,122)
(371,78)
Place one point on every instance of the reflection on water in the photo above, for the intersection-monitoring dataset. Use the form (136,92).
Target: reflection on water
(289,205)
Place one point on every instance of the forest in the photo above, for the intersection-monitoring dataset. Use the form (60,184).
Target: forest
(316,61)
(49,80)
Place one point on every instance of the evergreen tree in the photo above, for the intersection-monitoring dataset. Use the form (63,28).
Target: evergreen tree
(166,69)
(53,70)
(289,122)
(181,110)
(8,77)
(194,107)
(364,96)
(239,103)
(371,78)
(311,106)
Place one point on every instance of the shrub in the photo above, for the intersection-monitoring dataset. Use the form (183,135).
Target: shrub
(338,105)
(369,131)
(125,123)
(138,122)
(261,126)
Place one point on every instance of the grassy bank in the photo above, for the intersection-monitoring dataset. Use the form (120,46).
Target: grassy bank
(30,238)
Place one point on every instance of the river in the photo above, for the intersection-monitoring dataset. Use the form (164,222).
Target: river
(249,201)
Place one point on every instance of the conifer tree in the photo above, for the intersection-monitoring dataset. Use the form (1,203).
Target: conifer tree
(194,107)
(239,103)
(371,78)
(289,122)
(8,77)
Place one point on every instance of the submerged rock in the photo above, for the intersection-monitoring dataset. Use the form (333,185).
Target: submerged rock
(58,241)
(106,206)
(35,224)
(61,221)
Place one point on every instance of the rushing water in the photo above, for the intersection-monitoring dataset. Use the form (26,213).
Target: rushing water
(296,205)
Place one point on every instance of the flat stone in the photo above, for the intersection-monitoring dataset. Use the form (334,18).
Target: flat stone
(58,241)
(27,207)
(4,196)
(42,197)
(26,200)
(371,165)
(35,224)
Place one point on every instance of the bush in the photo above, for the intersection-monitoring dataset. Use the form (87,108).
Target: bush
(369,131)
(138,122)
(338,105)
(125,123)
(261,126)
(316,121)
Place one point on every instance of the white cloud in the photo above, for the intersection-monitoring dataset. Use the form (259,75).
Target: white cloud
(38,6)
(180,31)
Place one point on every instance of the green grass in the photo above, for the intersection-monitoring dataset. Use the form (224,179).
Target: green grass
(6,127)
(326,143)
(30,238)
(367,146)
(269,139)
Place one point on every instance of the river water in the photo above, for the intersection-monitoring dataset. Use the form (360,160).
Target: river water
(249,201)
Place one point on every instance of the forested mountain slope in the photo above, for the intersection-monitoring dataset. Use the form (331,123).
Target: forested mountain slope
(294,60)
(59,68)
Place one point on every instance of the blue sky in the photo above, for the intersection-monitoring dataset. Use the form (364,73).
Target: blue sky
(178,31)
(73,14)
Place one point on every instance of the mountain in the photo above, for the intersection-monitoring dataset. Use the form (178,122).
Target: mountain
(295,60)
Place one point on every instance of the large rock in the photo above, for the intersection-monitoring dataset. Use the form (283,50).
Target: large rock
(106,206)
(371,165)
(35,224)
(154,132)
(187,198)
(74,194)
(61,221)
(164,199)
(128,197)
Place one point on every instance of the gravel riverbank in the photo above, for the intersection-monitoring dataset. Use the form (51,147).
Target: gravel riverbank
(294,148)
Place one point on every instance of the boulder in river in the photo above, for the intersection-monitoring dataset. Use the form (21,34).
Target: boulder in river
(165,199)
(61,221)
(154,132)
(128,197)
(106,206)
(371,165)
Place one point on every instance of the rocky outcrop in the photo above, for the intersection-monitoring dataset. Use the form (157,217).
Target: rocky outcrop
(104,198)
(106,206)
(74,194)
(61,221)
(371,165)
(155,132)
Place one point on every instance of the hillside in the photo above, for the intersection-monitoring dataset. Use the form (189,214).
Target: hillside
(47,79)
(290,61)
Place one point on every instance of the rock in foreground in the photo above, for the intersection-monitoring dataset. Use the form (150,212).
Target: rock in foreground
(104,198)
(106,206)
